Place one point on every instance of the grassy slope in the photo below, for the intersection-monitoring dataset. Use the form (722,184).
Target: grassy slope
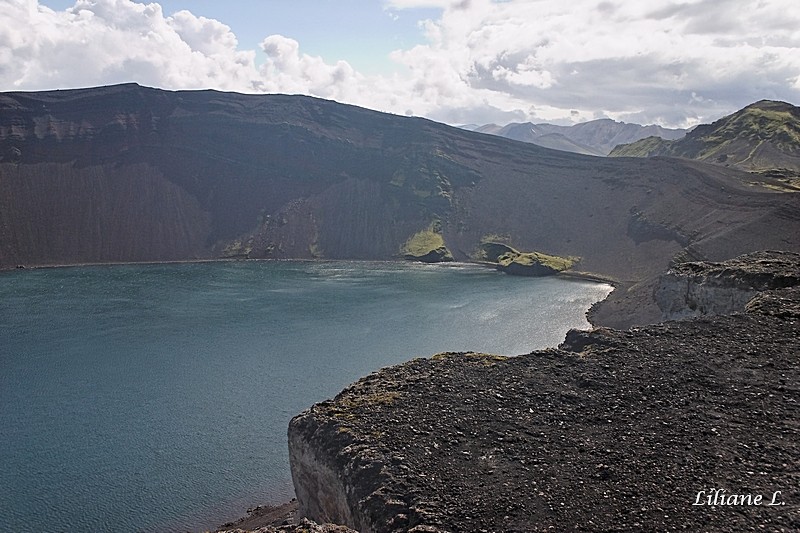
(762,137)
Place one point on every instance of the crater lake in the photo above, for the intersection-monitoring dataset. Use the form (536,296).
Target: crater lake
(157,397)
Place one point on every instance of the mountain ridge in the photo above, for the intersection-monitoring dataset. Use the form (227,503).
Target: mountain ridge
(595,137)
(763,137)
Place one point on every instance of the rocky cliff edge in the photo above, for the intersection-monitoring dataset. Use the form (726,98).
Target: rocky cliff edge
(701,288)
(638,430)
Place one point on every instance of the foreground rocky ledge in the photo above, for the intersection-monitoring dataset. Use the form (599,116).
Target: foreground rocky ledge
(614,430)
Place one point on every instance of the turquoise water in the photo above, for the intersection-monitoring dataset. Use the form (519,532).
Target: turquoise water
(157,397)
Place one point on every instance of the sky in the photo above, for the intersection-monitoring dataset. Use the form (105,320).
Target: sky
(676,63)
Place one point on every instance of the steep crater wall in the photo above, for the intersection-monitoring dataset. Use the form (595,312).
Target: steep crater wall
(129,173)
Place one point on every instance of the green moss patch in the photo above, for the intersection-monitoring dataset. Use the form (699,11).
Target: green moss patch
(647,147)
(427,245)
(237,249)
(513,261)
(537,258)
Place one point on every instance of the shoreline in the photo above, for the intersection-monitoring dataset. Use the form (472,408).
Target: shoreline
(566,274)
(588,276)
(208,260)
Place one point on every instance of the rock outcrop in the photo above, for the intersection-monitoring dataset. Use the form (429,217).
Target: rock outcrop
(304,526)
(532,264)
(702,288)
(632,430)
(512,261)
(427,246)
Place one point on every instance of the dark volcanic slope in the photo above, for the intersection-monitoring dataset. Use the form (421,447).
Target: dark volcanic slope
(616,431)
(127,173)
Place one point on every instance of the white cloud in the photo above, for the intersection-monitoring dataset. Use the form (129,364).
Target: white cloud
(625,59)
(109,41)
(673,62)
(289,71)
(204,35)
(415,4)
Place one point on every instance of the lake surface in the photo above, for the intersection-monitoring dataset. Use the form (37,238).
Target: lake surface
(157,397)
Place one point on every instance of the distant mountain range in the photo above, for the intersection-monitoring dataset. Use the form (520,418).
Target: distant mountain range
(595,137)
(129,173)
(763,137)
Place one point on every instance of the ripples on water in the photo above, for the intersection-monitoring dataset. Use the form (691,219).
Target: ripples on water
(157,397)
